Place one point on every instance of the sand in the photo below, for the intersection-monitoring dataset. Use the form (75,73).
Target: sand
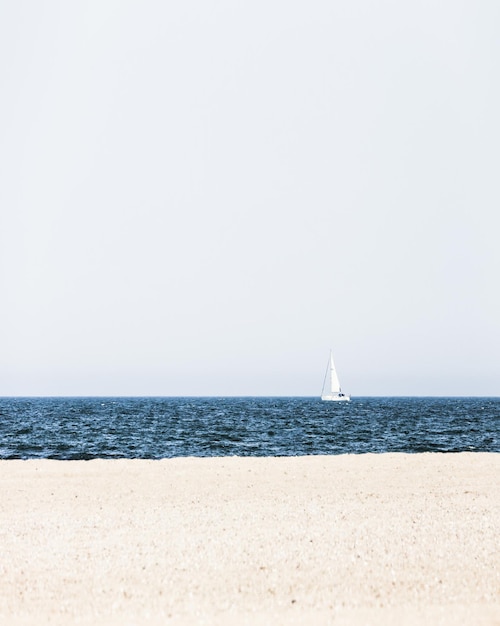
(368,539)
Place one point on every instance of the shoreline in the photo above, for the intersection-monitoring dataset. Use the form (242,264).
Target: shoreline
(345,539)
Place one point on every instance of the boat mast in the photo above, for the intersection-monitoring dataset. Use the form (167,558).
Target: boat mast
(332,373)
(334,379)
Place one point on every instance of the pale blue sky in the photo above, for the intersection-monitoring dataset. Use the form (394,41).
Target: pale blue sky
(202,198)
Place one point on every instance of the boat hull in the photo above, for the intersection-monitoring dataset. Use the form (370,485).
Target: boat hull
(336,398)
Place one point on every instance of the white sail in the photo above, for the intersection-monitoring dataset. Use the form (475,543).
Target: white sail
(331,385)
(334,379)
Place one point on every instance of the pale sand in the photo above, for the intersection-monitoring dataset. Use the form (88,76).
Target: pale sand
(371,539)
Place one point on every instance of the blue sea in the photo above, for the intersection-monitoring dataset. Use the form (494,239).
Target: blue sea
(155,428)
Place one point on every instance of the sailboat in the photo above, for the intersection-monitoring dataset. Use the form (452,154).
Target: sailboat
(331,385)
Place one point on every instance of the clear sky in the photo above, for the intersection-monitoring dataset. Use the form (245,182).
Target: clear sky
(203,197)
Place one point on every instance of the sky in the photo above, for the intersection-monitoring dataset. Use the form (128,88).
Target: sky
(204,198)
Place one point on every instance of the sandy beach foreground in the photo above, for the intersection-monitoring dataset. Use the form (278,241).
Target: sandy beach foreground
(369,539)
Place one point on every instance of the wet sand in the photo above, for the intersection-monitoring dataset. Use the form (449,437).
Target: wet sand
(367,539)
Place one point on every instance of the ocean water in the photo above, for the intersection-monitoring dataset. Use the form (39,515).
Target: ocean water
(154,428)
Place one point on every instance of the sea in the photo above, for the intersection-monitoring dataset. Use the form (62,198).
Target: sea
(157,428)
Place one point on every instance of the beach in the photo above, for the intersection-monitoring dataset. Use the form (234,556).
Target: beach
(348,539)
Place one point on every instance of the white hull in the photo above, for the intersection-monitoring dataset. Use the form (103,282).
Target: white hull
(342,398)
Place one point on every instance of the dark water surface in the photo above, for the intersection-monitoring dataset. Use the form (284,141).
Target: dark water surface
(153,428)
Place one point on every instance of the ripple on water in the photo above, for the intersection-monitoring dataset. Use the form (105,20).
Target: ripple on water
(86,428)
